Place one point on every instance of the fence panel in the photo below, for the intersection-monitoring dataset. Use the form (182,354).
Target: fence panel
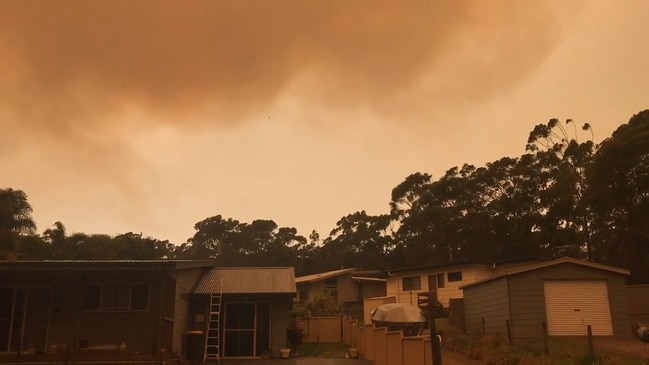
(395,348)
(321,329)
(413,351)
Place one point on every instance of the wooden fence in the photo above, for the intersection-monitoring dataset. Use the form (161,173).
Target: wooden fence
(377,344)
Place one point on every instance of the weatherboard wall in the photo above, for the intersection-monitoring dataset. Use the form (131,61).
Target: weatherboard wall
(185,282)
(487,302)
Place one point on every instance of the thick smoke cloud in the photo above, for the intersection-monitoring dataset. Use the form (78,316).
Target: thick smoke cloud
(69,68)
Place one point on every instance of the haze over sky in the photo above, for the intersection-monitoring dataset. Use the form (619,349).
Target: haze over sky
(149,116)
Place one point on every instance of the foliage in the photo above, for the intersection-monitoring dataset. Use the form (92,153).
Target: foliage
(318,307)
(294,337)
(15,219)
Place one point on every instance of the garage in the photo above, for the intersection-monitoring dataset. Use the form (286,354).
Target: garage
(559,297)
(571,305)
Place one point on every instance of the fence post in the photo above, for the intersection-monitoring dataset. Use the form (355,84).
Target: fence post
(509,333)
(545,337)
(591,350)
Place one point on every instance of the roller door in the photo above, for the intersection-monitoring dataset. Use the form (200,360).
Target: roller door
(571,305)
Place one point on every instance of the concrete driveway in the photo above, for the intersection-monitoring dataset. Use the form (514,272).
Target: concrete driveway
(299,361)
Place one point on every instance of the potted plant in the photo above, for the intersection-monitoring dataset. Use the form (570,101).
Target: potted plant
(294,337)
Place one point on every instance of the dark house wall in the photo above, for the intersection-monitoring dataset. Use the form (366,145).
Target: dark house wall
(185,282)
(489,301)
(638,297)
(280,315)
(372,289)
(347,290)
(70,324)
(528,310)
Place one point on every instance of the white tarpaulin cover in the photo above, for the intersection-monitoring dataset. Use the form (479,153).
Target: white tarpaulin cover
(398,313)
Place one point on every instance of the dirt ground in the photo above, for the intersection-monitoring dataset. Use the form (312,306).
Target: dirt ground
(453,358)
(629,347)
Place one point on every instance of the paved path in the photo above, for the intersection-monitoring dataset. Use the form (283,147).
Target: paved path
(448,358)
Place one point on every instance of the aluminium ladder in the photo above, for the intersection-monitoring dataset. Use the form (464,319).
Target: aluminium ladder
(212,338)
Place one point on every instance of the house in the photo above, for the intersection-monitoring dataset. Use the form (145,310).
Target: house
(256,305)
(342,285)
(348,287)
(139,307)
(445,279)
(561,296)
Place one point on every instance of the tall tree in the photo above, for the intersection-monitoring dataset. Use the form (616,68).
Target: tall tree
(619,193)
(359,240)
(15,219)
(568,217)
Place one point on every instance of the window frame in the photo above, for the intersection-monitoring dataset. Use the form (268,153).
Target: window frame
(454,278)
(99,304)
(411,280)
(439,276)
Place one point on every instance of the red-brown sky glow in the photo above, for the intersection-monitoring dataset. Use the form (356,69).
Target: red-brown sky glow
(150,116)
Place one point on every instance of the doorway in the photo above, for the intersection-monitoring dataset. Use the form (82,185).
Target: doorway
(246,329)
(24,317)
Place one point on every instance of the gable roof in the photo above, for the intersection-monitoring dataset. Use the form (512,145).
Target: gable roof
(462,263)
(433,266)
(363,279)
(322,276)
(248,280)
(555,262)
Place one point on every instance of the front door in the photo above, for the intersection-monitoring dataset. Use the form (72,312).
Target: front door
(247,329)
(24,316)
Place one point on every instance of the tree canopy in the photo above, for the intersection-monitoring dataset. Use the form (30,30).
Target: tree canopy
(564,196)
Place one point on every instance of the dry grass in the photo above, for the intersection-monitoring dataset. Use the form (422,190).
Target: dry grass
(496,350)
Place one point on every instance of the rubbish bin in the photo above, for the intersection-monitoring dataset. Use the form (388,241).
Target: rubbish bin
(194,341)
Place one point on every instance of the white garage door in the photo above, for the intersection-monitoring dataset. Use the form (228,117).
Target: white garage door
(571,305)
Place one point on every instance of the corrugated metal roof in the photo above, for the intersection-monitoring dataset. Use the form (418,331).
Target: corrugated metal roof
(248,280)
(322,276)
(562,260)
(101,264)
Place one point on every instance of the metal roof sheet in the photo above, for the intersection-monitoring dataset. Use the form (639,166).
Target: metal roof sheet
(248,280)
(102,264)
(562,260)
(322,276)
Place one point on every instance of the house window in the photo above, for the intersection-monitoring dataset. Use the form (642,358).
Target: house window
(303,295)
(455,276)
(440,280)
(411,283)
(115,297)
(331,288)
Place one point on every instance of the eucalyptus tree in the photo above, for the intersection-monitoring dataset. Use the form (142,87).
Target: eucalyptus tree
(213,238)
(359,240)
(618,179)
(567,218)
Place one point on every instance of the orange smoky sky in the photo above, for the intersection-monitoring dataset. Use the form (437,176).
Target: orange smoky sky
(152,115)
